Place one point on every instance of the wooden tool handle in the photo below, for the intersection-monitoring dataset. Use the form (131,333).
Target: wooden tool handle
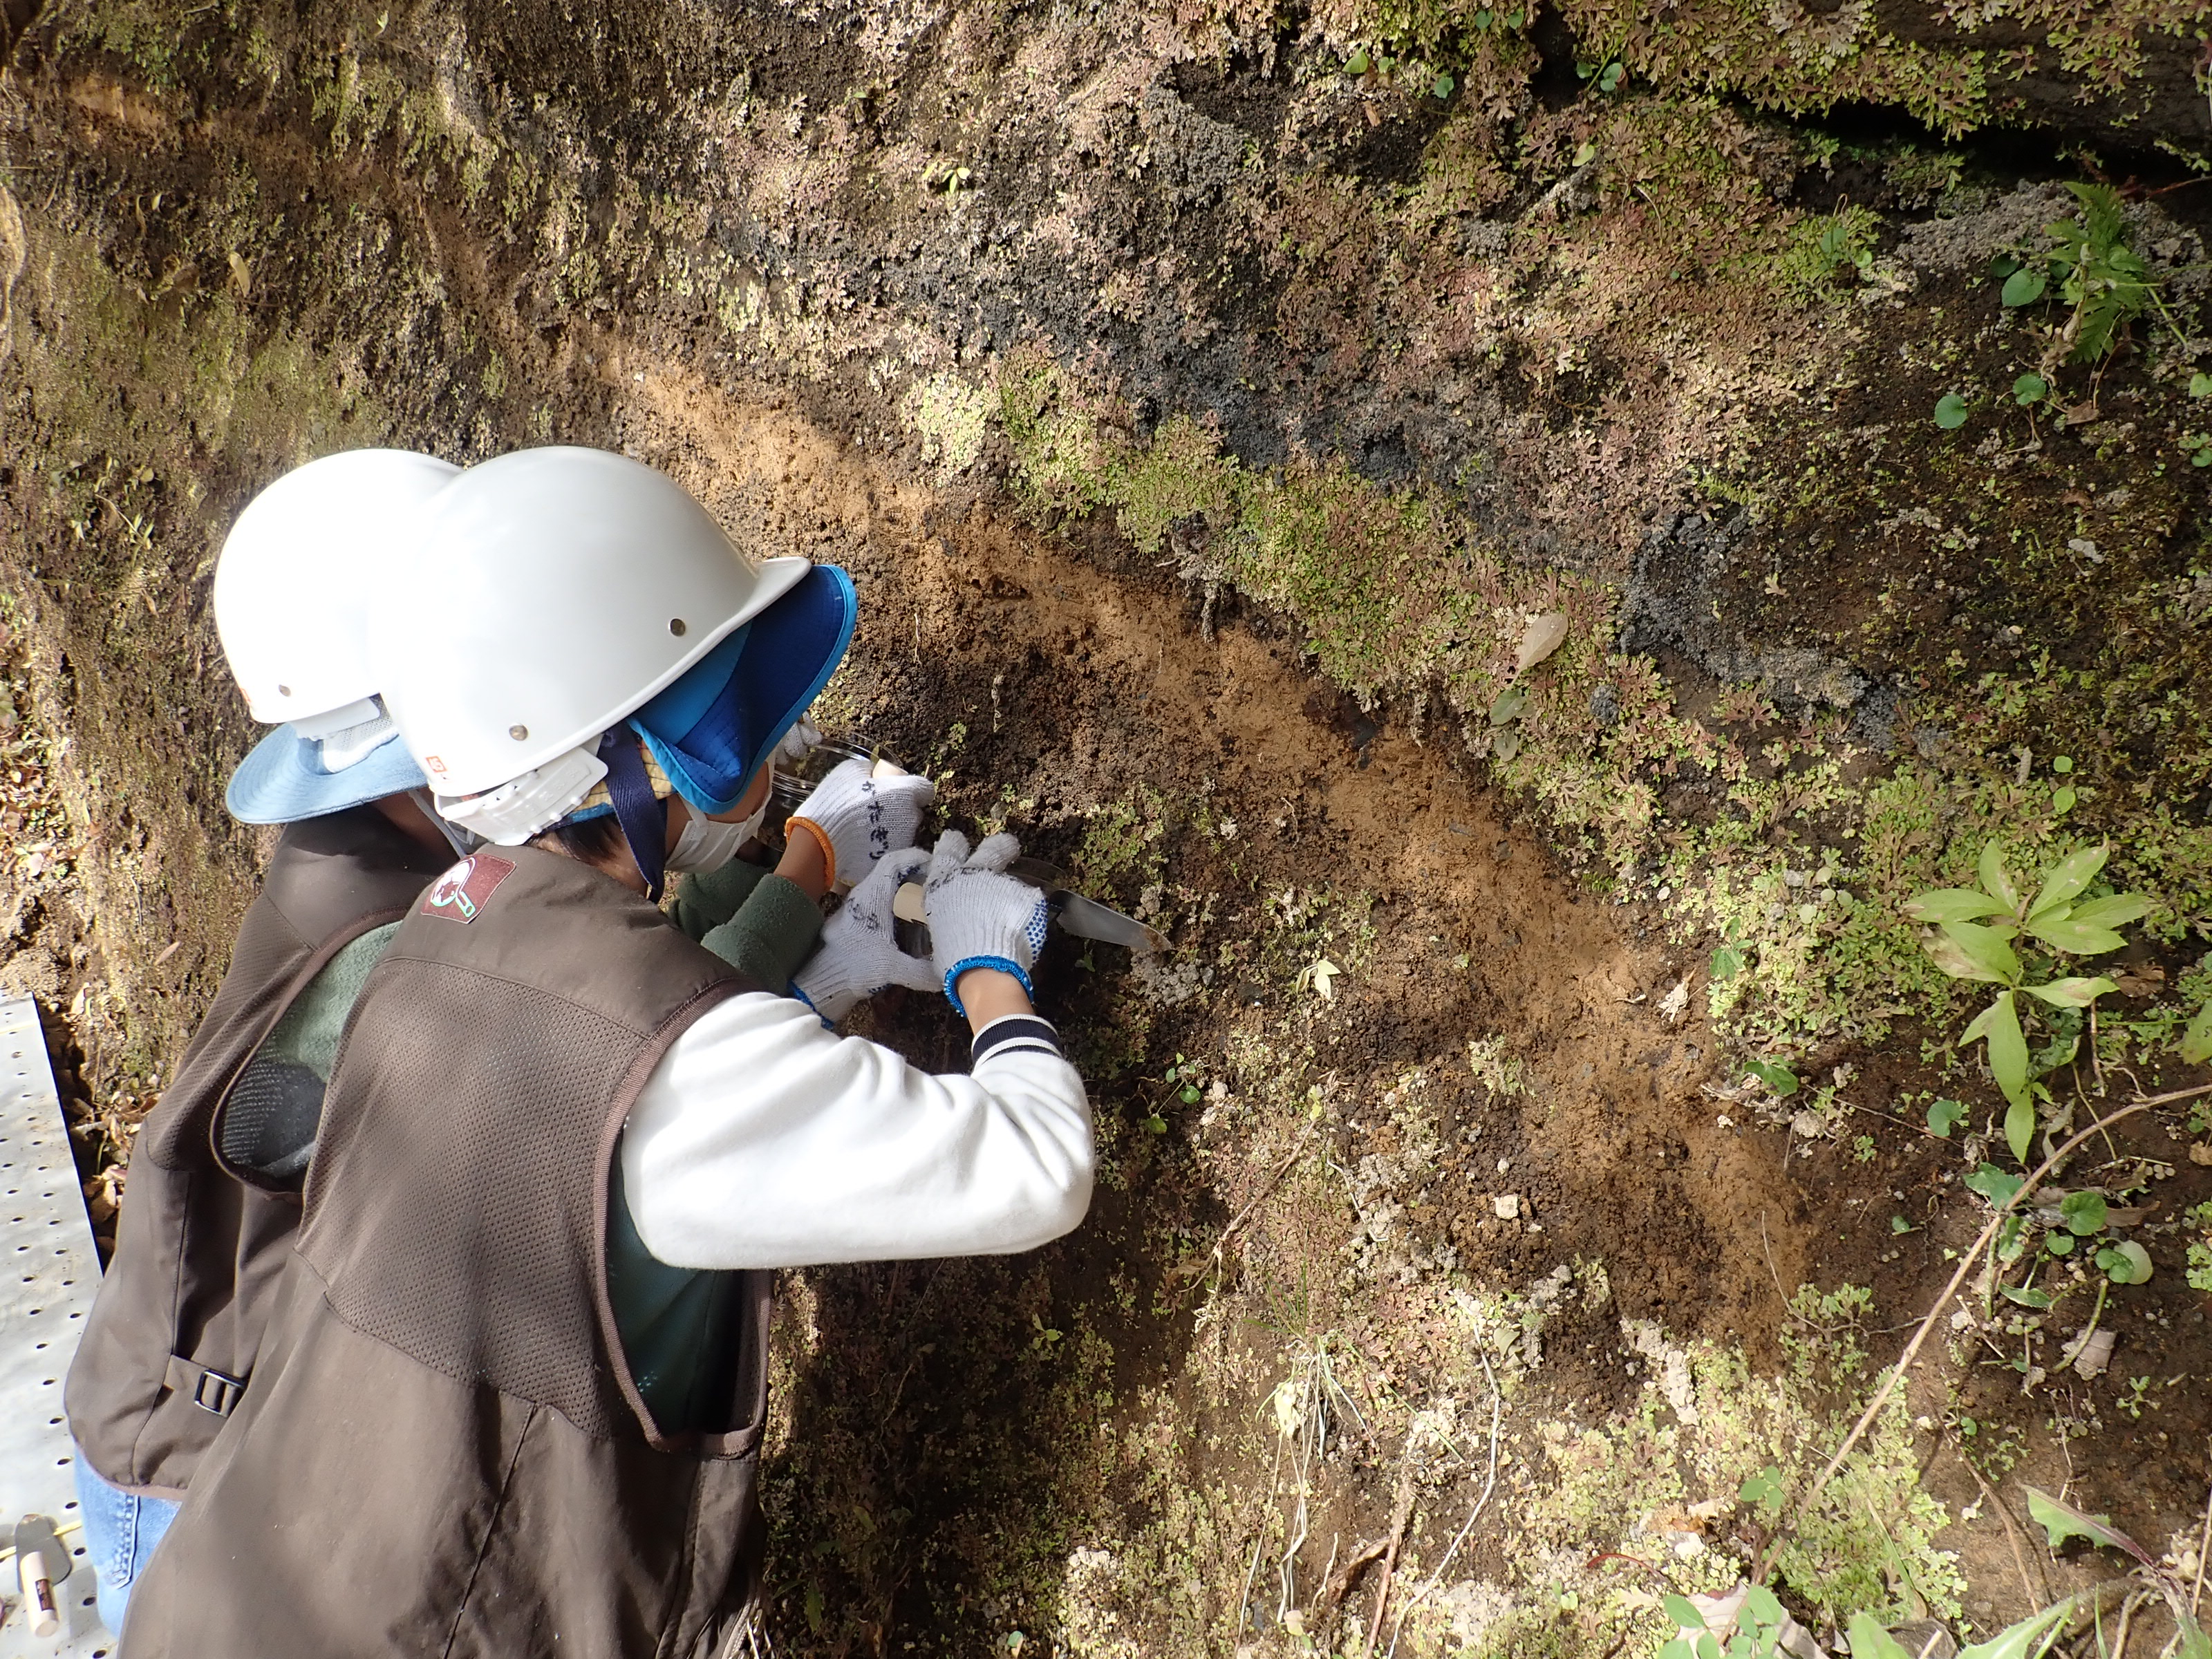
(38,1603)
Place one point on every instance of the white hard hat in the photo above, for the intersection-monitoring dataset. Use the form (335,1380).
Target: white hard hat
(292,584)
(554,592)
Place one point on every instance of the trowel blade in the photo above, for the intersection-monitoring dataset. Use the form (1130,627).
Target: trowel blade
(1088,919)
(1078,916)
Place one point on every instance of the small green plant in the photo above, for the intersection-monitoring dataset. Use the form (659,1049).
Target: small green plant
(1951,411)
(1607,75)
(1758,1628)
(2029,389)
(1970,936)
(2093,269)
(1943,1116)
(2199,1271)
(1779,1078)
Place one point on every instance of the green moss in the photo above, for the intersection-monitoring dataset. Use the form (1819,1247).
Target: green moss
(1810,62)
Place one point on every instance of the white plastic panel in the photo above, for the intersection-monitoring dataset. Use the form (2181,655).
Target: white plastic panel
(49,1272)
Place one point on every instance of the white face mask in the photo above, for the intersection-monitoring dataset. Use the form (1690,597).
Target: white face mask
(703,843)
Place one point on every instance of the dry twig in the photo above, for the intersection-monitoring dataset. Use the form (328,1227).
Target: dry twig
(2203,1542)
(1966,1261)
(1405,1513)
(2012,1535)
(1218,1257)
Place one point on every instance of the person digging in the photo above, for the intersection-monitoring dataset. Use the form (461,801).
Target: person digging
(207,1218)
(511,1400)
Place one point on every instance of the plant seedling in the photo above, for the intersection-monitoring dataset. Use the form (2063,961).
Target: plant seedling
(2030,388)
(1951,411)
(1944,1115)
(1779,1078)
(1971,935)
(2200,385)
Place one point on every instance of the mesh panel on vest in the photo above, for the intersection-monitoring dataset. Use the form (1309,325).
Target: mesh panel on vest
(269,952)
(269,1120)
(478,1156)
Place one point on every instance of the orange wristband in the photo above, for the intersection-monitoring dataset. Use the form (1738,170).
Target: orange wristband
(822,840)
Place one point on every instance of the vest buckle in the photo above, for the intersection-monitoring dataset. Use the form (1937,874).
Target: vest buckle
(210,1389)
(218,1393)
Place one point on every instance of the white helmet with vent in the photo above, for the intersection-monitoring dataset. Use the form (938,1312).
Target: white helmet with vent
(292,590)
(555,592)
(293,582)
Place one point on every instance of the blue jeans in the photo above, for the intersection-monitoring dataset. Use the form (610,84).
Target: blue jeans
(120,1531)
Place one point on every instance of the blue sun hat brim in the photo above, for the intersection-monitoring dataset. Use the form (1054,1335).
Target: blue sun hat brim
(281,780)
(713,729)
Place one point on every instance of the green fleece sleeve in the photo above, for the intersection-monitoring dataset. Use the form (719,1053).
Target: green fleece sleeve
(774,931)
(707,899)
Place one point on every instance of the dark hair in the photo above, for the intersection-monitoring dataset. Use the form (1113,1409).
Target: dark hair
(595,841)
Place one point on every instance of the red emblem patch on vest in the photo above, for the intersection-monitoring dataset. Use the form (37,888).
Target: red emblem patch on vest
(464,889)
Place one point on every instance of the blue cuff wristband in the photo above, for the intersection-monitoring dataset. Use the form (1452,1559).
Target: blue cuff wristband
(1004,965)
(828,1024)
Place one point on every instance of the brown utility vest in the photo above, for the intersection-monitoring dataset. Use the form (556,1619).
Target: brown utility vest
(199,1254)
(443,1451)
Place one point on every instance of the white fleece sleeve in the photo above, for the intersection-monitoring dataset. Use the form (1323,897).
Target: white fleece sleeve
(763,1139)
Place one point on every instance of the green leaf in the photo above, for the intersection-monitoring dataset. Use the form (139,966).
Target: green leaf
(2062,764)
(2200,385)
(1709,1647)
(2026,1296)
(2058,1244)
(2084,1213)
(1870,1641)
(2115,910)
(2133,1265)
(2197,1040)
(2024,287)
(2062,800)
(1764,1489)
(1729,961)
(1997,878)
(1678,1649)
(2064,932)
(1359,62)
(1610,79)
(1679,1610)
(1943,1115)
(2030,388)
(2071,992)
(1442,86)
(2069,876)
(1998,1186)
(1764,1606)
(2027,1637)
(1511,702)
(2020,1128)
(1946,955)
(2062,1521)
(2195,1645)
(1951,411)
(1780,1079)
(1985,947)
(1953,904)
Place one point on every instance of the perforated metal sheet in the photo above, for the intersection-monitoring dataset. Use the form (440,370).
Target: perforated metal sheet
(49,1272)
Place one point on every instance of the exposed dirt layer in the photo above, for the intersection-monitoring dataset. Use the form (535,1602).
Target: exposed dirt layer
(1206,420)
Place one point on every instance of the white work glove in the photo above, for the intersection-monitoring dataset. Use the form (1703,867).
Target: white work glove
(980,917)
(799,741)
(857,817)
(858,956)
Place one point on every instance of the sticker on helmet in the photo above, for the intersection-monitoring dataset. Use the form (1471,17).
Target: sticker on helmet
(466,889)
